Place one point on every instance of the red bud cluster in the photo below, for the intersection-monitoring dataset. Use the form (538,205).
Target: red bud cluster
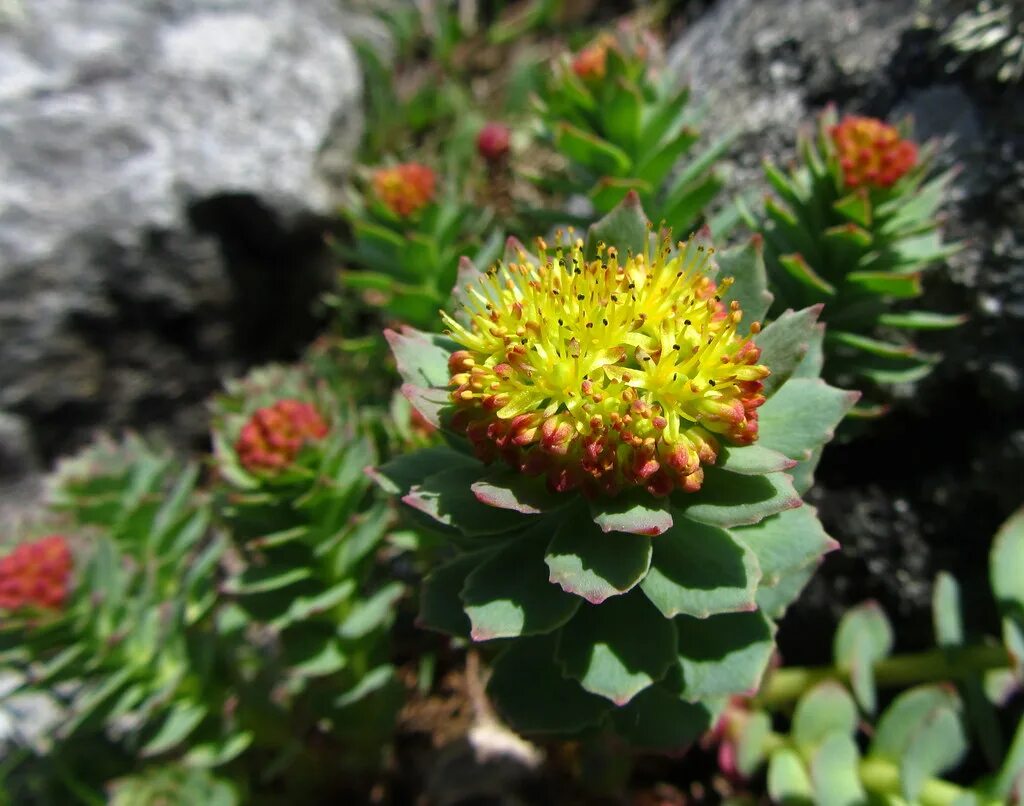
(871,153)
(405,189)
(36,575)
(274,435)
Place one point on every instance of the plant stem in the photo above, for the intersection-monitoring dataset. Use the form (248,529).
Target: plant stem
(786,685)
(882,777)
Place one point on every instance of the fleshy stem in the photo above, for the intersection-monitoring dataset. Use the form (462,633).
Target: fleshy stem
(880,776)
(789,684)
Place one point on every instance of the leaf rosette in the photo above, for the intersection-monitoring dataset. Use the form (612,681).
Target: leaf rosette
(853,225)
(621,597)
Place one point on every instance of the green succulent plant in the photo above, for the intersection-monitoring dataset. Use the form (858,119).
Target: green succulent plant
(925,732)
(407,236)
(132,652)
(985,35)
(637,588)
(293,494)
(622,128)
(853,226)
(172,785)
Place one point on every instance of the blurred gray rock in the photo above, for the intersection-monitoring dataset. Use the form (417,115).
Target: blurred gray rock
(764,67)
(166,166)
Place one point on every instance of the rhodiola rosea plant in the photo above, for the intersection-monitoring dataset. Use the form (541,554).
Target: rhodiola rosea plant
(306,525)
(621,484)
(853,226)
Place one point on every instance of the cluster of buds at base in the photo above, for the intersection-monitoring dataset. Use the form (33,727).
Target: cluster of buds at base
(590,64)
(871,153)
(405,189)
(274,435)
(36,575)
(605,375)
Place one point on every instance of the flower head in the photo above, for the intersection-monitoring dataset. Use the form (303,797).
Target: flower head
(590,63)
(404,189)
(493,142)
(871,153)
(274,435)
(36,574)
(605,374)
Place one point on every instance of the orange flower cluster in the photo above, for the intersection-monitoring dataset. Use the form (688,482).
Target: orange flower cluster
(36,574)
(406,188)
(871,153)
(274,435)
(590,63)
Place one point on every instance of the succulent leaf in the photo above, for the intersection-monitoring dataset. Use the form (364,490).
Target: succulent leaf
(724,653)
(659,719)
(699,570)
(618,648)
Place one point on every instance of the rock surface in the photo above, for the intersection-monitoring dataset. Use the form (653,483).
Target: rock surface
(924,489)
(166,165)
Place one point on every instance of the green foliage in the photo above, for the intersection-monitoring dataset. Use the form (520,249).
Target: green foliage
(922,734)
(172,785)
(620,127)
(406,266)
(626,612)
(985,36)
(301,580)
(134,653)
(859,253)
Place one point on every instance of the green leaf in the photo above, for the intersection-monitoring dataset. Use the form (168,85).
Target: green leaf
(784,344)
(593,564)
(729,499)
(398,475)
(533,696)
(618,648)
(856,207)
(214,754)
(656,163)
(800,270)
(946,619)
(723,655)
(303,608)
(505,604)
(626,228)
(448,498)
(591,151)
(871,346)
(181,720)
(773,600)
(802,415)
(923,733)
(265,579)
(788,781)
(922,320)
(834,773)
(824,710)
(373,681)
(609,191)
(1013,766)
(863,638)
(1006,565)
(422,358)
(622,114)
(657,719)
(311,650)
(787,541)
(753,743)
(685,213)
(752,460)
(695,169)
(635,513)
(745,264)
(698,570)
(527,495)
(897,286)
(441,606)
(372,613)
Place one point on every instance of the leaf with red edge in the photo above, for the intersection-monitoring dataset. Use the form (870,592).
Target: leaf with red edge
(636,513)
(784,344)
(422,358)
(447,498)
(528,495)
(593,564)
(504,604)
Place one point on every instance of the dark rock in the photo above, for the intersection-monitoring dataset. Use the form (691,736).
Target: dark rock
(925,488)
(168,166)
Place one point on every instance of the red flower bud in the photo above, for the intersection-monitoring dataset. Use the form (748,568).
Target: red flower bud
(36,575)
(274,435)
(493,142)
